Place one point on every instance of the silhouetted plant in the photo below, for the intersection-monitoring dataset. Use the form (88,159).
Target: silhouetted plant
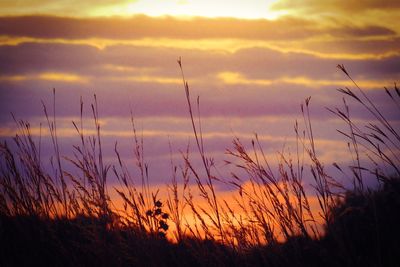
(68,217)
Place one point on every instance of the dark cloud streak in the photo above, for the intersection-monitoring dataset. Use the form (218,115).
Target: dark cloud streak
(255,63)
(286,28)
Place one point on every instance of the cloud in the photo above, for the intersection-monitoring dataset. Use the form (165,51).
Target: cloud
(335,5)
(59,7)
(237,78)
(369,13)
(250,82)
(365,31)
(50,77)
(329,39)
(137,27)
(355,48)
(142,26)
(146,63)
(31,58)
(251,76)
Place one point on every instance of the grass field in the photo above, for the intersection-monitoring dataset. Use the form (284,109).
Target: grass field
(58,218)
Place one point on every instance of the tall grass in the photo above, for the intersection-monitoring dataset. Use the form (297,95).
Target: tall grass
(379,139)
(271,205)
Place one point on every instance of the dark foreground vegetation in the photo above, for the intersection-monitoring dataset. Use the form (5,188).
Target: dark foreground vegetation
(364,231)
(60,218)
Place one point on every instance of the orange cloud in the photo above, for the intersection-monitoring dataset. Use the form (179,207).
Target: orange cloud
(371,12)
(320,38)
(337,5)
(286,28)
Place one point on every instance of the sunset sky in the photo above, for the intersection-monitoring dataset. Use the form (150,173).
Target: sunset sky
(251,62)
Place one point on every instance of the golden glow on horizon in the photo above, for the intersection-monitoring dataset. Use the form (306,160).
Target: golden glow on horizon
(232,197)
(185,9)
(250,9)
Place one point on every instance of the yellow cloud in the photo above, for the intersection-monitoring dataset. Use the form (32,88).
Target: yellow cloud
(238,78)
(63,77)
(149,79)
(47,76)
(127,69)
